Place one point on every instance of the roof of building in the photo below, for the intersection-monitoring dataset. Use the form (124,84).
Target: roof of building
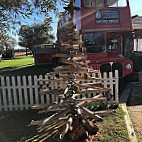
(137,22)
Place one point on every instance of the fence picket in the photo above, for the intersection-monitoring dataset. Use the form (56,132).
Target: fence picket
(105,79)
(47,95)
(41,96)
(36,90)
(116,86)
(4,94)
(30,90)
(53,97)
(20,92)
(9,93)
(111,82)
(24,93)
(14,93)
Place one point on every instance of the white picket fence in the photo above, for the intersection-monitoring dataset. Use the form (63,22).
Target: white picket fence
(18,93)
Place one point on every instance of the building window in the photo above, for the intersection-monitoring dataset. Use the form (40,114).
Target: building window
(137,44)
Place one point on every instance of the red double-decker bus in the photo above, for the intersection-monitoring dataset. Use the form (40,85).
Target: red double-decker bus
(102,25)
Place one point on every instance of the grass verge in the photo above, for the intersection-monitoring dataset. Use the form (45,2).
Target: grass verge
(136,124)
(113,128)
(22,65)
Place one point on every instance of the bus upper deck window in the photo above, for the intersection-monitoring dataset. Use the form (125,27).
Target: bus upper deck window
(93,3)
(116,3)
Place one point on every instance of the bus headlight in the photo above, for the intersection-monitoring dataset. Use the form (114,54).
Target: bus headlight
(128,66)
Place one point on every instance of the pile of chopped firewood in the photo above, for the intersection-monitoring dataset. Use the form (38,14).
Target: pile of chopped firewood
(69,115)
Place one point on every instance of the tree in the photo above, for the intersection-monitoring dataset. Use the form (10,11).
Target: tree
(69,115)
(7,41)
(36,34)
(13,11)
(1,49)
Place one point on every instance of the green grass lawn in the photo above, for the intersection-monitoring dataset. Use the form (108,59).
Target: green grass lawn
(113,128)
(22,65)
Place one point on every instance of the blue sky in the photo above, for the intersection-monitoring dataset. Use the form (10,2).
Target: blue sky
(135,5)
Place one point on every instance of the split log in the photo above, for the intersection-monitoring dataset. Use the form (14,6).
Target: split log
(51,110)
(89,85)
(84,103)
(102,90)
(105,112)
(87,113)
(88,79)
(91,99)
(55,116)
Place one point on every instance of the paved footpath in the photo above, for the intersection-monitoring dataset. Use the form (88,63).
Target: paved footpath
(136,112)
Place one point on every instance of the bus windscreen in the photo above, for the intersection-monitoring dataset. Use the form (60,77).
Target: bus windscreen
(94,42)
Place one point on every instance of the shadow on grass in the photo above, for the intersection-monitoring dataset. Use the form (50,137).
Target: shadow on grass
(18,57)
(24,70)
(12,68)
(14,125)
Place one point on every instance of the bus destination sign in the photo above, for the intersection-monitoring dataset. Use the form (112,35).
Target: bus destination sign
(107,21)
(108,14)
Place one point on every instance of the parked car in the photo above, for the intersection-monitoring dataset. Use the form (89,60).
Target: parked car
(8,54)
